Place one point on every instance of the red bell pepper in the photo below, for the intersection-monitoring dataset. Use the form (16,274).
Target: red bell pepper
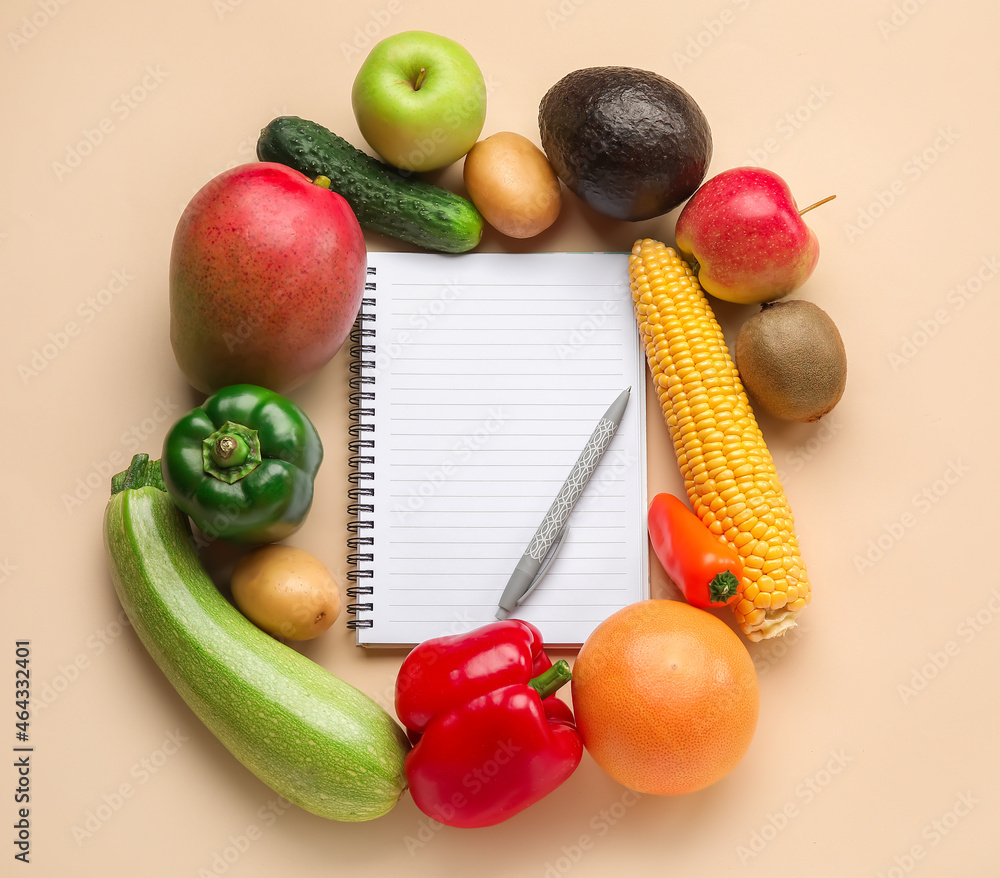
(704,568)
(490,736)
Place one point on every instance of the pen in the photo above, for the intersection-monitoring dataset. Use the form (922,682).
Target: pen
(552,531)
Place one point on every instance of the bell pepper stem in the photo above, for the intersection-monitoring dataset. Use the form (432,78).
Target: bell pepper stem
(231,452)
(550,681)
(723,587)
(230,449)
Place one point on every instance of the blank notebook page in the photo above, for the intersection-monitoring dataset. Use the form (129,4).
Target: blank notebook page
(488,373)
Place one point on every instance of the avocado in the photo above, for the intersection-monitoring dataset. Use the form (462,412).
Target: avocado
(630,143)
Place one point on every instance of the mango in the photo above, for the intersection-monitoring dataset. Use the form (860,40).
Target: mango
(267,271)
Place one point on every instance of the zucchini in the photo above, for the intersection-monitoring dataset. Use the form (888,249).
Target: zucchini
(383,199)
(311,737)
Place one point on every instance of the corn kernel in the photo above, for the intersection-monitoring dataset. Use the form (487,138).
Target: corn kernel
(740,540)
(765,582)
(753,561)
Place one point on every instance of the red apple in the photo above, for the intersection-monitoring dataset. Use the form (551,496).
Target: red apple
(748,237)
(267,271)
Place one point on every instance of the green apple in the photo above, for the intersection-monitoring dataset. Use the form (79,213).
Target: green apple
(420,100)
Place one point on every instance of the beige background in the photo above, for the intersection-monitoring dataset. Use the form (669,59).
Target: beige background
(876,750)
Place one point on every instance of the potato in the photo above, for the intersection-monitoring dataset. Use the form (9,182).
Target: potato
(511,182)
(286,592)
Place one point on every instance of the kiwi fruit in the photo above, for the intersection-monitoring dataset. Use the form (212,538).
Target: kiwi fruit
(629,143)
(791,360)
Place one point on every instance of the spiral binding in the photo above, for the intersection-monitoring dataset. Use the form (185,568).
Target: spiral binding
(361,494)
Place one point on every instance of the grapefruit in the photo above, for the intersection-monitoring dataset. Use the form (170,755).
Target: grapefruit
(666,697)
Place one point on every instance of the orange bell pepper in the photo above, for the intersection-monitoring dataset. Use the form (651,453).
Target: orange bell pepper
(705,569)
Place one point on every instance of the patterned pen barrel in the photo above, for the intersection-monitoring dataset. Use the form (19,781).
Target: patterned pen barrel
(530,569)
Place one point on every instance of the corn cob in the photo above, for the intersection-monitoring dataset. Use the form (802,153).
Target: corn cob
(729,475)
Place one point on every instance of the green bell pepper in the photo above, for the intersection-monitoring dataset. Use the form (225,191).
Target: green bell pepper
(242,465)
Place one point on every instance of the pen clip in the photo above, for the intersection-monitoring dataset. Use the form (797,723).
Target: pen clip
(560,539)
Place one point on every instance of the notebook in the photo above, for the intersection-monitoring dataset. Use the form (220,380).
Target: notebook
(476,382)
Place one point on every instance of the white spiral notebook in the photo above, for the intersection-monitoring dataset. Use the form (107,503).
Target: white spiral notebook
(477,380)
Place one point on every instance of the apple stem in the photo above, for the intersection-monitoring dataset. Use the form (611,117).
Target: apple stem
(420,79)
(817,204)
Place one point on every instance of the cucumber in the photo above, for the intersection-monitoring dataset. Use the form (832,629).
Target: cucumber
(382,198)
(311,737)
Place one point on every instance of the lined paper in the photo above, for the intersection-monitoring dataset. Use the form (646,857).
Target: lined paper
(491,372)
